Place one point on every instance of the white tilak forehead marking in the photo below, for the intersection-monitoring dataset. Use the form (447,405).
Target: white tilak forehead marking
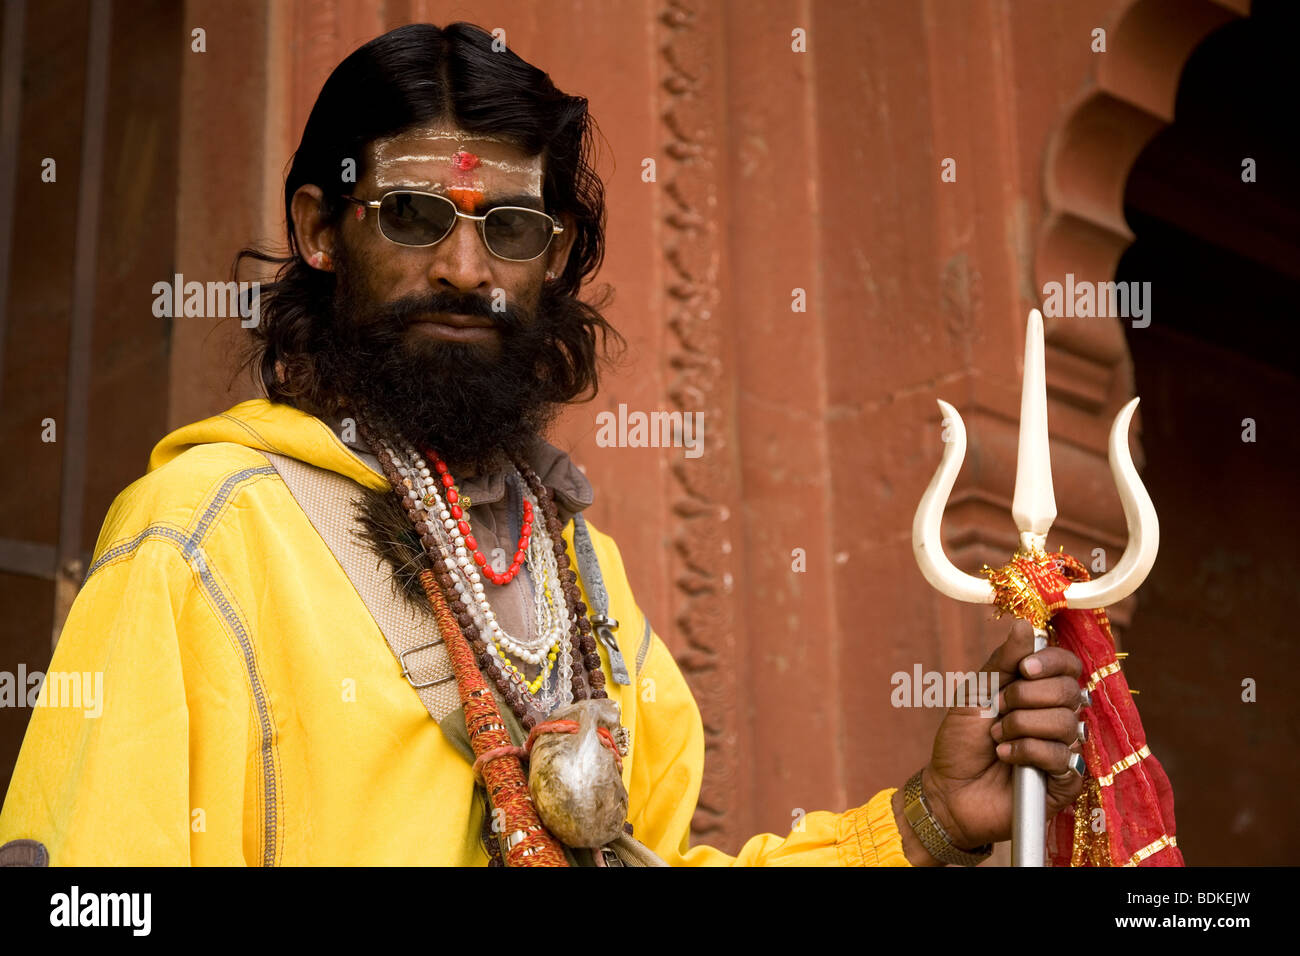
(484,163)
(388,178)
(438,154)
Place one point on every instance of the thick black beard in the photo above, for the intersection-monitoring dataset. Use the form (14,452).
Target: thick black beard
(476,406)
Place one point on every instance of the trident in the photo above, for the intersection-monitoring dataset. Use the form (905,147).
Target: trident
(1034,509)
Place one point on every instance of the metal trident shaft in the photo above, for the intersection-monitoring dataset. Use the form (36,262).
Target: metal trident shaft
(1034,509)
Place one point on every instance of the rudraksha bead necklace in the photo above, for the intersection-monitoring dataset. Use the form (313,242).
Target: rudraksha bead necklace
(459,579)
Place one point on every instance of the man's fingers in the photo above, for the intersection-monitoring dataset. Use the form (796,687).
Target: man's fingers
(1008,654)
(1033,680)
(1051,662)
(1011,658)
(1044,754)
(1062,790)
(1038,694)
(1057,724)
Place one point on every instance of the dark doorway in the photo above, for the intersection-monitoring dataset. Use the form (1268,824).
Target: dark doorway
(1222,352)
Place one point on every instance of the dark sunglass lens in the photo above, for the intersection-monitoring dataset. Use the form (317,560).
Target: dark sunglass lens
(415,220)
(517,233)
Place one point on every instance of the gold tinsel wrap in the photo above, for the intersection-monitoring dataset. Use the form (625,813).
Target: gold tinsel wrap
(1090,846)
(1014,591)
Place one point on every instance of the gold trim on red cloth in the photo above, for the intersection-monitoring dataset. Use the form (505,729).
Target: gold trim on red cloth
(1100,674)
(1155,846)
(1121,765)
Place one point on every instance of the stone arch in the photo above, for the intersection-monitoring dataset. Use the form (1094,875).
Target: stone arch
(1088,159)
(1086,166)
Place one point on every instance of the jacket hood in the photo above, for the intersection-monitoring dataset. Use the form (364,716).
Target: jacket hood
(271,426)
(264,425)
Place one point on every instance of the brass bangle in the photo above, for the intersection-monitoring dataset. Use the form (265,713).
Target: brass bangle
(932,836)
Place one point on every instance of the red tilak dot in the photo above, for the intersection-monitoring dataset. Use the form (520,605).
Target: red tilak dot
(465,161)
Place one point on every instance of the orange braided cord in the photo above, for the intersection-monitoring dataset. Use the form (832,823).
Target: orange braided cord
(486,758)
(609,742)
(503,775)
(571,727)
(550,727)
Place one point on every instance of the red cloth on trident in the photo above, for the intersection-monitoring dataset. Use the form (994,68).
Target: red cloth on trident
(1125,815)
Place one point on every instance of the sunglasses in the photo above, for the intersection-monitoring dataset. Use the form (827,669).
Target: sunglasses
(409,218)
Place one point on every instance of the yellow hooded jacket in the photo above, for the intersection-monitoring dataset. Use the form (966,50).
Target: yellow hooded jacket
(224,629)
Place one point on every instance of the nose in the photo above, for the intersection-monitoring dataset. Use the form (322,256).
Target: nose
(461,260)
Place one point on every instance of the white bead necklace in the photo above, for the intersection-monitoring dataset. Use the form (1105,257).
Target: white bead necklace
(550,645)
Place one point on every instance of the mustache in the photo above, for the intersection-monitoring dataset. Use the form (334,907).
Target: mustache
(402,312)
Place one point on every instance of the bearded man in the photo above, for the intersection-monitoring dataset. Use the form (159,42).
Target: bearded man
(362,620)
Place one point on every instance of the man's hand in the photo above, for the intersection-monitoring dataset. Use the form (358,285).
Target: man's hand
(968,782)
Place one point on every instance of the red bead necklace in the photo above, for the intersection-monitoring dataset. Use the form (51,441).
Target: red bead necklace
(462,524)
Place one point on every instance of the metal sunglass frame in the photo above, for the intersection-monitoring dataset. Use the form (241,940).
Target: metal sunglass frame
(374,204)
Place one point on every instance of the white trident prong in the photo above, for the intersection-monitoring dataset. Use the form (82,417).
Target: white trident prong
(1034,509)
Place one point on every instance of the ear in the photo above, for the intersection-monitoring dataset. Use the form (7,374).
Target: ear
(557,257)
(315,237)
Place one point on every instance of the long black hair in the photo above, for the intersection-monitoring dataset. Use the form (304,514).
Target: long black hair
(414,76)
